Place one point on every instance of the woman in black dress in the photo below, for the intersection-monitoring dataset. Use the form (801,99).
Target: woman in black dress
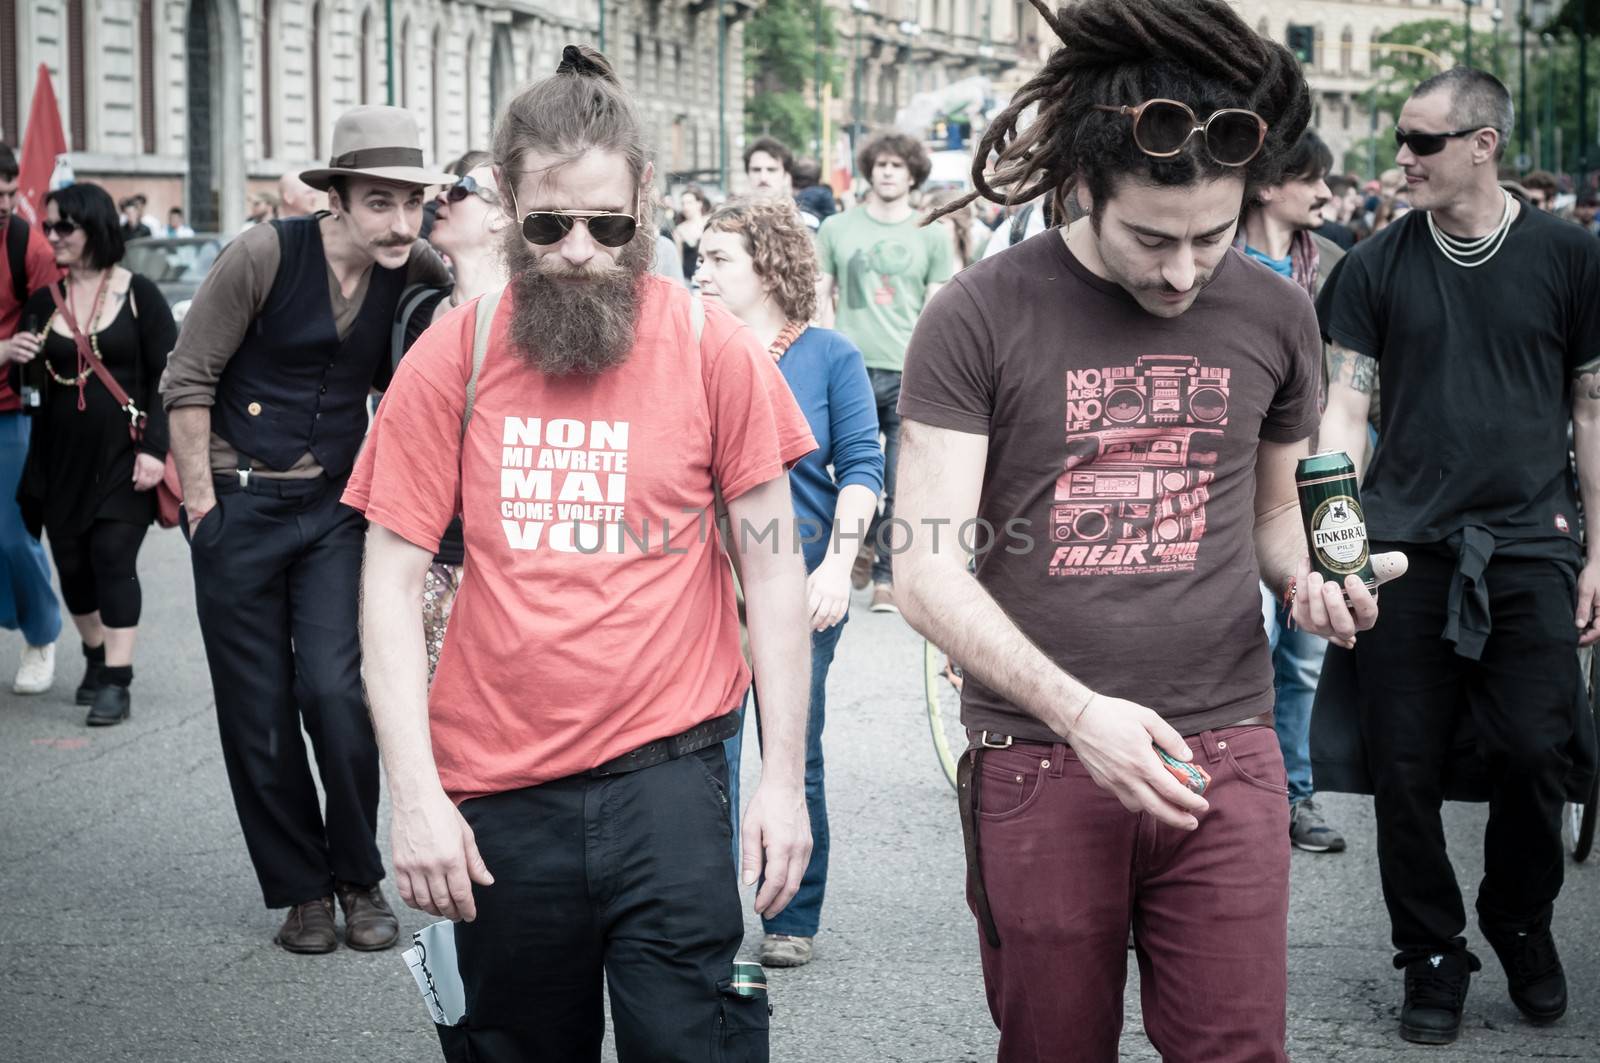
(87,480)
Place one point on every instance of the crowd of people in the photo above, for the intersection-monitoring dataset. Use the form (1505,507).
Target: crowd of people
(1116,349)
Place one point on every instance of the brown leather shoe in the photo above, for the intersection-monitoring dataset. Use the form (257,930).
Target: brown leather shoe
(369,924)
(309,928)
(861,567)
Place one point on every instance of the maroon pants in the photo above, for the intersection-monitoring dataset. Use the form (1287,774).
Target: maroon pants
(1069,870)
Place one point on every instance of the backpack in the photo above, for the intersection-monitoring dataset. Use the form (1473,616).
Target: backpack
(17,254)
(411,299)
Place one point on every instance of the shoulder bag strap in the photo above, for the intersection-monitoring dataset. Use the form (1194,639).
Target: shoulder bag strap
(136,418)
(410,299)
(482,321)
(17,253)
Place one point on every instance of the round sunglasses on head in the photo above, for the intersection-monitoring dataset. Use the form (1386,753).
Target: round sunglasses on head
(551,226)
(1429,143)
(1232,136)
(469,187)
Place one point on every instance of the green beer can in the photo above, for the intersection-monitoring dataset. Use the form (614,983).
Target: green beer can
(749,980)
(1336,526)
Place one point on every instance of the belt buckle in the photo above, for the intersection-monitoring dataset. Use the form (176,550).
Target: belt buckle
(1001,741)
(244,477)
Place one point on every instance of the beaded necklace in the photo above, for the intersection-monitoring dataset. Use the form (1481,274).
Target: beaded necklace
(85,369)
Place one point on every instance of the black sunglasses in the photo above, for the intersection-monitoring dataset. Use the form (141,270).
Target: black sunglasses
(1429,143)
(468,187)
(1233,136)
(62,229)
(552,226)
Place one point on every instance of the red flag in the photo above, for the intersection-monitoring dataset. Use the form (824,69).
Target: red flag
(42,144)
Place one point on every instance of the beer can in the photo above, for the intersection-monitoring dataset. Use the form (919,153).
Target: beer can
(1336,525)
(749,980)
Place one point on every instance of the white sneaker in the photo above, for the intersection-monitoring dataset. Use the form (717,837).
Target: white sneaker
(37,672)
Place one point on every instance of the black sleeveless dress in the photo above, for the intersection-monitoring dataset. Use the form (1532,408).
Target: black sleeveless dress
(80,462)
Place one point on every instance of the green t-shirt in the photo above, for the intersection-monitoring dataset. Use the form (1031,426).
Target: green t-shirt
(882,273)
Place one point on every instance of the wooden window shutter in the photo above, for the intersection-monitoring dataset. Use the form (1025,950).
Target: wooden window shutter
(77,76)
(147,75)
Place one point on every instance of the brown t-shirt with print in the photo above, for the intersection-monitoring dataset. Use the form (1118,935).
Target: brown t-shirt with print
(1120,483)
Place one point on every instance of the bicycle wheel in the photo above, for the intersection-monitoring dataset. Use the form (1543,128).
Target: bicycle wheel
(1578,826)
(940,684)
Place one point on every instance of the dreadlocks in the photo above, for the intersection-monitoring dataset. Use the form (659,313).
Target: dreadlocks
(1125,52)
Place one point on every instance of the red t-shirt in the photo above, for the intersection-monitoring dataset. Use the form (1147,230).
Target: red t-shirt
(42,270)
(595,614)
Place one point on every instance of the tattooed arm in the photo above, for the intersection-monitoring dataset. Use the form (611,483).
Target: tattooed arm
(1586,444)
(1352,378)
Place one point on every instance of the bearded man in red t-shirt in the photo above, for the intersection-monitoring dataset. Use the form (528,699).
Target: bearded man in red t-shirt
(561,788)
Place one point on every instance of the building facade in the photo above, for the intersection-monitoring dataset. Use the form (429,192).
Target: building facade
(194,102)
(1344,61)
(895,49)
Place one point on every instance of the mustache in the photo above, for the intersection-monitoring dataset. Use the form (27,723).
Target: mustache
(407,242)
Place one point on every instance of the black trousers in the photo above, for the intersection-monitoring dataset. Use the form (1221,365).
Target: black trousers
(1520,695)
(627,877)
(277,571)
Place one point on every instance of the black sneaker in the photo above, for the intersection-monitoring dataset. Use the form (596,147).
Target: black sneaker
(1436,992)
(1533,970)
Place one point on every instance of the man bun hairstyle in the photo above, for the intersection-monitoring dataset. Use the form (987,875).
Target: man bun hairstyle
(1124,52)
(582,107)
(908,149)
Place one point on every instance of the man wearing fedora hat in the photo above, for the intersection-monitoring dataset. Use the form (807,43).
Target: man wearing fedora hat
(266,392)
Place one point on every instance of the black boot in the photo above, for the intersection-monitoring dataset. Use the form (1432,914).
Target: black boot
(112,702)
(94,676)
(1436,993)
(1536,979)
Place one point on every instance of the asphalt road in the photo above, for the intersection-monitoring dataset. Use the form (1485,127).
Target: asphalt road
(131,927)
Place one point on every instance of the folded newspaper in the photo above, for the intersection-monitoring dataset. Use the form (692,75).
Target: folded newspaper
(432,959)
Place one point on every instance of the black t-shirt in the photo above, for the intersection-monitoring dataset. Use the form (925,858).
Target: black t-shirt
(1476,369)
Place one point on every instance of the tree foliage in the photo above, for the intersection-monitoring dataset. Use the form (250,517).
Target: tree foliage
(781,43)
(1552,64)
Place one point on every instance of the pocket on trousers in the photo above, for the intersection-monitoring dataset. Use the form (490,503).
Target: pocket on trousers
(1010,783)
(1254,757)
(718,788)
(205,531)
(741,1028)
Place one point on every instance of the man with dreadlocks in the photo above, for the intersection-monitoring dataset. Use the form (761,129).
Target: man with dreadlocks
(1132,394)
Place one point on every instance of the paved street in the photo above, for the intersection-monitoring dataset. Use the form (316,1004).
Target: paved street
(132,928)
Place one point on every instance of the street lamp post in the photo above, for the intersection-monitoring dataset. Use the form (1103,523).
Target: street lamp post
(1522,83)
(1495,18)
(1584,133)
(722,94)
(1466,18)
(602,25)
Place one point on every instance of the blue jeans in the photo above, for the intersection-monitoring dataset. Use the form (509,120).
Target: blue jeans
(27,600)
(1296,668)
(804,913)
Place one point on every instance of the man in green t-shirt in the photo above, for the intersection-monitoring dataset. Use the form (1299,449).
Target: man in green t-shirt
(880,267)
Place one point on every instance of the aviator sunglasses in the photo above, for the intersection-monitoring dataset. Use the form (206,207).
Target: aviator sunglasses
(1233,136)
(1429,143)
(551,226)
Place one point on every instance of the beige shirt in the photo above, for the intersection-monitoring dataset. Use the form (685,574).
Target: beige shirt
(234,292)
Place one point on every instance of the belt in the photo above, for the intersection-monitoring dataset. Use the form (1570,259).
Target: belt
(277,487)
(993,740)
(696,738)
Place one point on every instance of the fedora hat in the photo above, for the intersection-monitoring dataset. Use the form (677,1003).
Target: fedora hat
(381,143)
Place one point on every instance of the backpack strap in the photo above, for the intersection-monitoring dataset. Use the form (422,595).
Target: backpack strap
(1019,224)
(17,255)
(482,320)
(411,298)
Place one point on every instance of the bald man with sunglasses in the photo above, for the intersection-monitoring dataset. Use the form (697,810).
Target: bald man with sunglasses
(1479,315)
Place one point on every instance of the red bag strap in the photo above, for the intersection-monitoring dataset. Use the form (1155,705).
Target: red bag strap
(86,352)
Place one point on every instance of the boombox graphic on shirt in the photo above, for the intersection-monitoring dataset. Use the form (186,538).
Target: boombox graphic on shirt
(1142,445)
